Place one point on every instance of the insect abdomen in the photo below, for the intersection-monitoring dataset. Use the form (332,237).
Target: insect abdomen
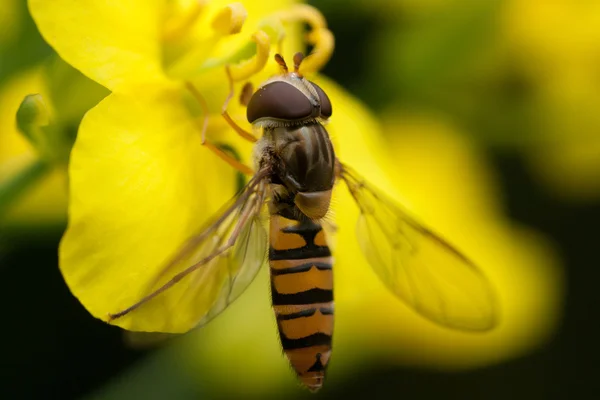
(302,294)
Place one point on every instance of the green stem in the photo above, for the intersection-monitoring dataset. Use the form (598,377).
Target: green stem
(16,185)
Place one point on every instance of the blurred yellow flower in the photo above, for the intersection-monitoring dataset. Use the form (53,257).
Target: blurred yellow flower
(557,43)
(519,74)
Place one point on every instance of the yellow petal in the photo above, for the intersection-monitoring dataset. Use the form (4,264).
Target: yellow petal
(256,12)
(230,19)
(227,33)
(114,43)
(140,184)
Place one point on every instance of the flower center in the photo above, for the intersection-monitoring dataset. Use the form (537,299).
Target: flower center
(197,37)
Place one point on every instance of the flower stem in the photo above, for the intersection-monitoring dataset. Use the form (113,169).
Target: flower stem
(16,185)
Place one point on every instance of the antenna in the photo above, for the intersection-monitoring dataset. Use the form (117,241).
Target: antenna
(279,60)
(298,57)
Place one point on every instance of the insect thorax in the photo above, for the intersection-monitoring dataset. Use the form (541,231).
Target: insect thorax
(301,158)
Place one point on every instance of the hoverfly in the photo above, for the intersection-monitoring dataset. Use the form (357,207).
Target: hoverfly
(296,169)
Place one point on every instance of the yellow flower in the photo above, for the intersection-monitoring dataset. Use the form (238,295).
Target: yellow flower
(556,44)
(141,183)
(140,180)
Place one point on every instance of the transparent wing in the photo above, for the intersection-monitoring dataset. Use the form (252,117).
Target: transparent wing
(418,266)
(209,272)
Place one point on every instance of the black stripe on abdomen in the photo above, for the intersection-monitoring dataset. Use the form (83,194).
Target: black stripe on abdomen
(301,253)
(322,266)
(311,296)
(309,312)
(316,339)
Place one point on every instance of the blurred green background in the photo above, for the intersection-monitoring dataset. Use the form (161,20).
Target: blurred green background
(516,80)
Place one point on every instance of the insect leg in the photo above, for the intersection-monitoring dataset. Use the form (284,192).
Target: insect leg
(219,152)
(238,129)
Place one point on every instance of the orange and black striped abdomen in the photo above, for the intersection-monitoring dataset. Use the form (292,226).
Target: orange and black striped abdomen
(302,294)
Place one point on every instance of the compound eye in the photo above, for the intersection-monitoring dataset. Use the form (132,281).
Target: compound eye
(278,100)
(326,109)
